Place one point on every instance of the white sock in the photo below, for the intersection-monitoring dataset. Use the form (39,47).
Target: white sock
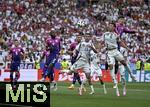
(117,91)
(112,72)
(92,88)
(82,83)
(123,80)
(129,69)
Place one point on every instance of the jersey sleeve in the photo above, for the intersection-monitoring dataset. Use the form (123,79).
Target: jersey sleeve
(125,53)
(77,47)
(60,44)
(103,37)
(22,50)
(43,54)
(93,45)
(127,30)
(10,52)
(47,41)
(118,37)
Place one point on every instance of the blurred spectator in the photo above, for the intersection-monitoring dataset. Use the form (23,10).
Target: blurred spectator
(30,21)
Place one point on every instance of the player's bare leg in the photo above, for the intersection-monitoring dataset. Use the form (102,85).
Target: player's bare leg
(123,80)
(52,81)
(14,80)
(112,72)
(82,88)
(126,65)
(44,73)
(17,74)
(73,70)
(88,76)
(124,85)
(75,78)
(103,84)
(11,79)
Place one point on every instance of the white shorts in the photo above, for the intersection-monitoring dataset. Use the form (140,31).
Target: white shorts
(112,55)
(81,64)
(95,70)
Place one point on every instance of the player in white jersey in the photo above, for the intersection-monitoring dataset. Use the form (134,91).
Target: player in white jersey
(111,38)
(121,69)
(83,60)
(95,68)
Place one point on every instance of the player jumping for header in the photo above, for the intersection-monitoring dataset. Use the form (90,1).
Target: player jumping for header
(111,39)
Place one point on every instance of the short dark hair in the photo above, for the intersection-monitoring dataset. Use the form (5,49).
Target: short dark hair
(16,40)
(113,23)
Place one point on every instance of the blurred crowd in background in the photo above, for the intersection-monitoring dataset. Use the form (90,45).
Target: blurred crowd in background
(30,22)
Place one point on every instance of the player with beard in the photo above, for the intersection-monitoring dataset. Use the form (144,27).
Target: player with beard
(83,61)
(53,45)
(110,38)
(120,29)
(73,60)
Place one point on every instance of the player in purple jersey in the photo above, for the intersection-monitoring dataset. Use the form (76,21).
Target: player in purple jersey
(16,55)
(45,55)
(120,28)
(53,45)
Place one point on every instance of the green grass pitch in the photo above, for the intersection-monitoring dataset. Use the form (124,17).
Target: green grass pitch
(138,95)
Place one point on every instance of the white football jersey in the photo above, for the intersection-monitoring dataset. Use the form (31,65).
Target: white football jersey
(124,51)
(84,50)
(110,40)
(94,58)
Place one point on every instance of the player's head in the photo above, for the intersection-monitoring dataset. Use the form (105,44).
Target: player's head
(87,37)
(121,20)
(52,34)
(79,37)
(111,27)
(46,48)
(16,43)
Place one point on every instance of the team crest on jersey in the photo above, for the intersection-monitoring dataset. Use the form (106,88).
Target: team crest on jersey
(56,40)
(83,45)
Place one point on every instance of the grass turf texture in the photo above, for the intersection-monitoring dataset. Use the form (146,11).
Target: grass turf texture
(138,95)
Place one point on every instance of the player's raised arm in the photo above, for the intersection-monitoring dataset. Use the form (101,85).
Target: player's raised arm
(127,30)
(76,50)
(9,55)
(60,44)
(93,48)
(23,54)
(101,43)
(43,55)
